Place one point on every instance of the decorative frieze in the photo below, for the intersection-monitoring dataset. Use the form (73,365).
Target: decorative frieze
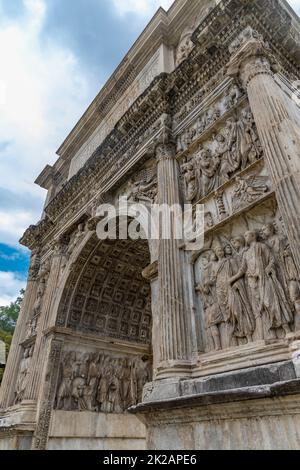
(217,160)
(249,287)
(99,382)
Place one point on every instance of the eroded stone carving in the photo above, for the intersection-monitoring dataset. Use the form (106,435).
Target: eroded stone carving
(145,189)
(208,118)
(23,374)
(101,383)
(284,257)
(249,288)
(248,190)
(268,298)
(235,147)
(75,239)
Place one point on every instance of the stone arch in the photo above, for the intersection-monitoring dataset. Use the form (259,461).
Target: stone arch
(104,323)
(105,292)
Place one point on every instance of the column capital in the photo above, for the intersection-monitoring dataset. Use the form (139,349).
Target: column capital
(165,146)
(251,56)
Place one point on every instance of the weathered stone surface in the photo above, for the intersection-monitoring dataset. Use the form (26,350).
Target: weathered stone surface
(202,340)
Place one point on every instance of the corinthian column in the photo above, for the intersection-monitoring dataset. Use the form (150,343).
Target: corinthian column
(277,119)
(40,357)
(174,342)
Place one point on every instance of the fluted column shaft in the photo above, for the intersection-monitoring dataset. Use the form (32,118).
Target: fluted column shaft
(277,119)
(174,328)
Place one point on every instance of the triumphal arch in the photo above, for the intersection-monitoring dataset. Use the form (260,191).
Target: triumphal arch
(140,343)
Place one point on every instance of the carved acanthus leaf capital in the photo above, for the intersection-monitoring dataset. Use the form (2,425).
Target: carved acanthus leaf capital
(150,273)
(251,56)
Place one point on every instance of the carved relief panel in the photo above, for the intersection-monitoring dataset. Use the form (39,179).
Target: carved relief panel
(101,382)
(42,278)
(247,281)
(232,148)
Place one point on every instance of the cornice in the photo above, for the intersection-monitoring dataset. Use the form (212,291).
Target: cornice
(169,92)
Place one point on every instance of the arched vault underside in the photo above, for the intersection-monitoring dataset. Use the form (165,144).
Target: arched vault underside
(106,294)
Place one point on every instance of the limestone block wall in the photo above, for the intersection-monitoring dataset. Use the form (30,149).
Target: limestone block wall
(95,431)
(252,425)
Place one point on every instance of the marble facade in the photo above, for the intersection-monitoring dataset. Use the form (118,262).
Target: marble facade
(138,344)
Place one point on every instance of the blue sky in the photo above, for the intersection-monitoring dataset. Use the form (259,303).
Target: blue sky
(55,57)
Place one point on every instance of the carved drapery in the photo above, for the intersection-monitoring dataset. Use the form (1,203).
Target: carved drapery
(38,358)
(18,354)
(174,328)
(248,284)
(277,121)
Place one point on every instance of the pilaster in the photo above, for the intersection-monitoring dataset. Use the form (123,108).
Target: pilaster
(277,124)
(12,368)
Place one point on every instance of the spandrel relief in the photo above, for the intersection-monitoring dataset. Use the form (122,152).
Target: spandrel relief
(145,190)
(232,96)
(232,149)
(101,383)
(247,282)
(42,278)
(142,187)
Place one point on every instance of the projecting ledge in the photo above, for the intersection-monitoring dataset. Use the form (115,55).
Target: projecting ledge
(277,390)
(270,381)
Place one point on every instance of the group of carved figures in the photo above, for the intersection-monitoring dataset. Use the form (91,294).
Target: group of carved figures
(250,289)
(42,278)
(100,383)
(232,150)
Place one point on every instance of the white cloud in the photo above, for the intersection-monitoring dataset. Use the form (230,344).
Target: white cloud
(10,286)
(143,7)
(13,224)
(43,89)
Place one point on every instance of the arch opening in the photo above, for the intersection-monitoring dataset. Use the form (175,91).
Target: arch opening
(105,318)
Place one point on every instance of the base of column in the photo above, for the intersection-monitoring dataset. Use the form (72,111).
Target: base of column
(17,425)
(170,369)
